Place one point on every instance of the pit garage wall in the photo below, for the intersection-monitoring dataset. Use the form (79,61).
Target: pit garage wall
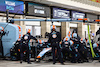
(45,27)
(64,29)
(81,30)
(34,26)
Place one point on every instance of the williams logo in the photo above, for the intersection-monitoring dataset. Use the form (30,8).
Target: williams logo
(10,3)
(10,7)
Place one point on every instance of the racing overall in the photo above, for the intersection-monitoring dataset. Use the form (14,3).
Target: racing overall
(1,46)
(83,51)
(54,39)
(65,49)
(75,50)
(24,46)
(17,47)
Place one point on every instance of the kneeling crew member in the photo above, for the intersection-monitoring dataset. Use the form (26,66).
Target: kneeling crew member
(25,46)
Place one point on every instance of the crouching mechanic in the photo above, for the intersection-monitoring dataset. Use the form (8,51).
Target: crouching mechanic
(96,49)
(67,44)
(54,39)
(83,50)
(17,48)
(65,48)
(26,46)
(75,46)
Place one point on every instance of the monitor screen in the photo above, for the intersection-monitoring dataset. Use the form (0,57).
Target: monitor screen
(76,15)
(61,13)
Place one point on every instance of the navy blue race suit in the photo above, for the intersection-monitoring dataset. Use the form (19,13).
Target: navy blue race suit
(1,46)
(54,39)
(24,46)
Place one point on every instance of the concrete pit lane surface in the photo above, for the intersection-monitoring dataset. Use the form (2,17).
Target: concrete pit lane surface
(4,63)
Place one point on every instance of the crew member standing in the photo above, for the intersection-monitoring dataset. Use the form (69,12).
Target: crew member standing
(54,39)
(26,46)
(2,33)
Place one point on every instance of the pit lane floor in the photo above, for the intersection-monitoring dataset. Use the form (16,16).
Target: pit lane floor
(5,63)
